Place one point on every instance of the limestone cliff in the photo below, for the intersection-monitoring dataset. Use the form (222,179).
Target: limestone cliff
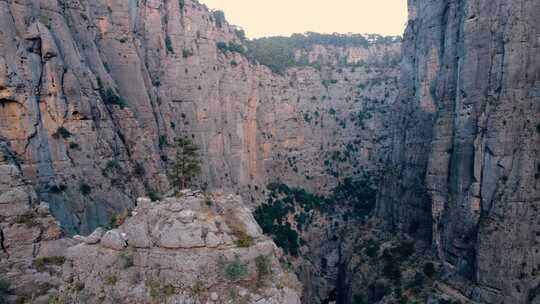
(464,174)
(93,93)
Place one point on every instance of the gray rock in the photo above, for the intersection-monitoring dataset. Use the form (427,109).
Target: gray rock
(466,141)
(95,237)
(113,239)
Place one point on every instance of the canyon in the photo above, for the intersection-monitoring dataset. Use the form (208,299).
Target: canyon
(385,169)
(93,95)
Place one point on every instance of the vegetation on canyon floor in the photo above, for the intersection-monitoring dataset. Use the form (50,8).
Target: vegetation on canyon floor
(356,197)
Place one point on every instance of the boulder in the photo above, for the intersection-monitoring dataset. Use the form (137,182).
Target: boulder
(113,239)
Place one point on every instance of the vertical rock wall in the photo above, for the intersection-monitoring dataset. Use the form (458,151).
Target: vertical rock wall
(465,164)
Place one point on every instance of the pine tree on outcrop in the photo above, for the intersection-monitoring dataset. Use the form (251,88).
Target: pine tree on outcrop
(186,163)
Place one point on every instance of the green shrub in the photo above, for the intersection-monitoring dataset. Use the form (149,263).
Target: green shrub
(62,132)
(357,194)
(241,34)
(372,250)
(168,45)
(158,291)
(187,53)
(264,269)
(55,299)
(57,188)
(237,48)
(125,260)
(139,170)
(118,219)
(243,239)
(219,18)
(109,97)
(153,195)
(28,219)
(162,141)
(111,166)
(111,280)
(222,46)
(271,217)
(235,270)
(41,264)
(169,290)
(85,189)
(155,288)
(74,146)
(182,4)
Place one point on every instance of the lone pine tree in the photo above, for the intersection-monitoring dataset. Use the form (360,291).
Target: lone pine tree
(186,163)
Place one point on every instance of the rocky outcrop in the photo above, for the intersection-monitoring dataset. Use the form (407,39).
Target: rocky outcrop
(464,166)
(93,94)
(197,249)
(194,249)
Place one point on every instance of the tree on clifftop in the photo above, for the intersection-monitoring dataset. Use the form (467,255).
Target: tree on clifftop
(186,163)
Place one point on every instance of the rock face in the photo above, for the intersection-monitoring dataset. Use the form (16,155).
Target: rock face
(27,233)
(465,156)
(93,94)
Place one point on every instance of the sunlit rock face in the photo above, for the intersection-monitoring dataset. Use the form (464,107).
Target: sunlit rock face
(466,144)
(93,94)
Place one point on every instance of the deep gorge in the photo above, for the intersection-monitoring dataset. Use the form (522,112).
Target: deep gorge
(387,169)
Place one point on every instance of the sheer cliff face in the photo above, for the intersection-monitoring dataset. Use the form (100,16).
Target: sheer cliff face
(92,94)
(465,155)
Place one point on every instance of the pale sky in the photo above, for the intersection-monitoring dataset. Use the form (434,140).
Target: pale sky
(283,17)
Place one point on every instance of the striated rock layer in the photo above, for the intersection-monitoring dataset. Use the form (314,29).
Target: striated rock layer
(93,94)
(465,171)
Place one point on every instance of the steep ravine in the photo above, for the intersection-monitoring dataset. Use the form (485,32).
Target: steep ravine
(379,183)
(93,94)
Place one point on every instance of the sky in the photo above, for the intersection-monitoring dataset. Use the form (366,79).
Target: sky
(261,18)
